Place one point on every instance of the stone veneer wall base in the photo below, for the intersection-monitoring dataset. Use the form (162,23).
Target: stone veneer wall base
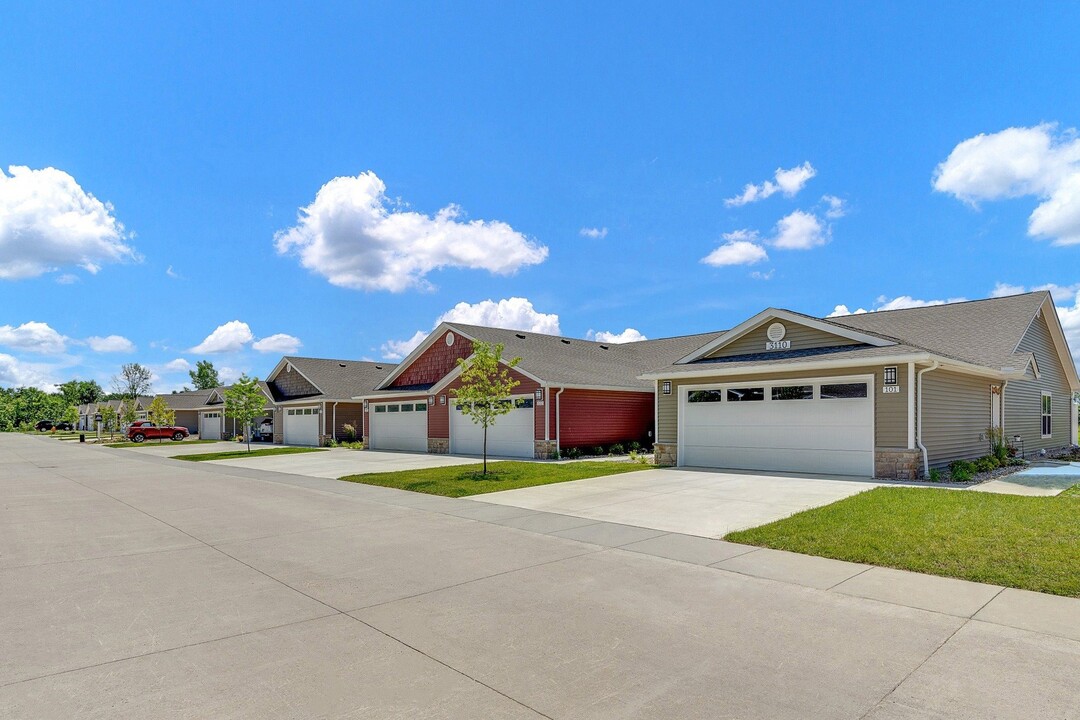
(665,455)
(898,463)
(438,446)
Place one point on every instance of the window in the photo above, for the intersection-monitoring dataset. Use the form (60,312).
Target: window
(745,394)
(701,396)
(406,407)
(890,375)
(421,407)
(393,408)
(380,408)
(1047,414)
(843,391)
(793,392)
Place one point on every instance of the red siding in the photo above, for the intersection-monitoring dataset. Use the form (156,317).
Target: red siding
(599,417)
(435,362)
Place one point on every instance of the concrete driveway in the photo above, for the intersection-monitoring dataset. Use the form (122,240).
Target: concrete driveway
(139,588)
(708,503)
(338,462)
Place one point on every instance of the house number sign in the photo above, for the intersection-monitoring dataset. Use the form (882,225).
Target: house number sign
(890,389)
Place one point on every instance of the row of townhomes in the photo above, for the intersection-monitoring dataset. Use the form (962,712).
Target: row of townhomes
(889,394)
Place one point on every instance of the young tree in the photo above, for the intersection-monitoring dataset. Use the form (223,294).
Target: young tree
(108,417)
(486,385)
(160,414)
(71,415)
(245,401)
(128,412)
(204,376)
(133,381)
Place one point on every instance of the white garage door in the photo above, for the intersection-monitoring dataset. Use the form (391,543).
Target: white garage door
(819,426)
(398,426)
(510,436)
(211,426)
(301,426)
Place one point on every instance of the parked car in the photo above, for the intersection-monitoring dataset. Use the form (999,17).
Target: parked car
(44,425)
(146,430)
(63,425)
(266,430)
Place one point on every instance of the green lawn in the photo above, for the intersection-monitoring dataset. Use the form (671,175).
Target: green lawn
(154,442)
(1023,542)
(235,454)
(463,480)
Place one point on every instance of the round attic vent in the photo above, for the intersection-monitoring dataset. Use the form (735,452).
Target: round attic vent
(776,332)
(449,338)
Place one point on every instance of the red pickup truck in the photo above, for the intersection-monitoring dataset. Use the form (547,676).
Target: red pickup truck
(144,429)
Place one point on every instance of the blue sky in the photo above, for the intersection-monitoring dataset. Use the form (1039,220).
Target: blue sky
(572,165)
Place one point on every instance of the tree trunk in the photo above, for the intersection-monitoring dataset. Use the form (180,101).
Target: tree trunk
(485,450)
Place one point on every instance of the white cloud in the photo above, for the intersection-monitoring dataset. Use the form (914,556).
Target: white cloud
(1070,324)
(841,310)
(230,337)
(1034,161)
(15,373)
(47,221)
(172,273)
(110,344)
(398,349)
(837,207)
(178,365)
(626,336)
(789,182)
(512,313)
(278,343)
(67,279)
(228,375)
(800,231)
(740,248)
(594,233)
(356,237)
(758,275)
(1003,289)
(36,337)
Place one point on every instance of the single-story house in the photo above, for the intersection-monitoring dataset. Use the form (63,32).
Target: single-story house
(314,398)
(571,393)
(185,405)
(889,394)
(216,424)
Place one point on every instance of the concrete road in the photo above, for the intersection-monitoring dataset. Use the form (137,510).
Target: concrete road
(709,503)
(136,587)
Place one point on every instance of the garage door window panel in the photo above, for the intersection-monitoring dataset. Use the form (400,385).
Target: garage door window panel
(752,394)
(843,391)
(705,396)
(793,392)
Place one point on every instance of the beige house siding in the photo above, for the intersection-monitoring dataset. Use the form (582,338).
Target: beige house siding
(1023,398)
(890,411)
(801,337)
(956,415)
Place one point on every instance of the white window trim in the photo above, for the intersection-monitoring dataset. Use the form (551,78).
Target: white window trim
(1043,415)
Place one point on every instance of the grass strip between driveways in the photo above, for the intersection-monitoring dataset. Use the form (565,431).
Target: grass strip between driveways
(155,443)
(462,480)
(240,454)
(1031,543)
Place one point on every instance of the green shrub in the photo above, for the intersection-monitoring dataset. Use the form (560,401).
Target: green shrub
(986,464)
(634,446)
(962,470)
(350,432)
(617,449)
(598,450)
(572,453)
(935,475)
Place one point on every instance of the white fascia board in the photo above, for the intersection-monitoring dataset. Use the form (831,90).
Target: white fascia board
(420,350)
(776,313)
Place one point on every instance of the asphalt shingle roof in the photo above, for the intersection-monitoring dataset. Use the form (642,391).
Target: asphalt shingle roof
(187,399)
(339,379)
(571,361)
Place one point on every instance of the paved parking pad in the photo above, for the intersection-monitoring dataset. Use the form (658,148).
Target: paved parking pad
(458,609)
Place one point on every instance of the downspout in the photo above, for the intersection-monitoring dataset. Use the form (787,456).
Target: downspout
(333,426)
(1002,418)
(919,418)
(547,415)
(558,424)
